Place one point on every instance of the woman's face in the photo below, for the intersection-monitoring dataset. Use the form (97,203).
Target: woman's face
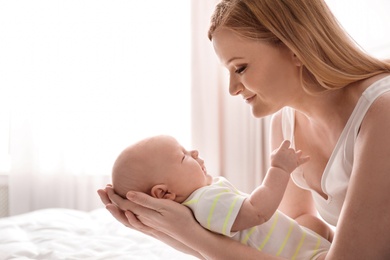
(266,76)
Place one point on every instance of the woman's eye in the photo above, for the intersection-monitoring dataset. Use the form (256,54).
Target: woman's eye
(240,70)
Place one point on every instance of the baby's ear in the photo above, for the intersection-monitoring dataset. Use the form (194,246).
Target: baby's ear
(160,191)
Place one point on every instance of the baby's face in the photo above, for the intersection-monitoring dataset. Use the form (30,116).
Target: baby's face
(184,171)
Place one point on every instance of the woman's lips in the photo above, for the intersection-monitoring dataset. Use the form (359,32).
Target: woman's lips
(249,99)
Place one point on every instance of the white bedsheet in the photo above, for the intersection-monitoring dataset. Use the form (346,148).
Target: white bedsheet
(52,234)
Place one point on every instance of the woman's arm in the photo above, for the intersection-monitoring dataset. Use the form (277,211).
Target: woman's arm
(175,225)
(363,229)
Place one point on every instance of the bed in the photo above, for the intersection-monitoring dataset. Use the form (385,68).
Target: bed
(71,234)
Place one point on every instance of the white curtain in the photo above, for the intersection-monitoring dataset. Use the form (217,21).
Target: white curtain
(82,79)
(368,23)
(234,143)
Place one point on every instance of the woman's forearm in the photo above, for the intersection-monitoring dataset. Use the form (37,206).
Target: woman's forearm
(219,247)
(317,225)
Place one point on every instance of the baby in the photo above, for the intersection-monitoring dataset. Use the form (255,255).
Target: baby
(162,168)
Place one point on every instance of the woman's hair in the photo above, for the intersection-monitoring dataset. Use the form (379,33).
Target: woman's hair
(330,57)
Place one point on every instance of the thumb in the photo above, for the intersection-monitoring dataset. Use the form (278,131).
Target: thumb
(285,144)
(143,200)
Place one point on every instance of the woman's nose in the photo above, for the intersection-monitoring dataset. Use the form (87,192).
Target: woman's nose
(235,86)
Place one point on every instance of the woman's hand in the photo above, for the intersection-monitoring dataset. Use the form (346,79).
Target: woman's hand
(113,209)
(126,211)
(146,212)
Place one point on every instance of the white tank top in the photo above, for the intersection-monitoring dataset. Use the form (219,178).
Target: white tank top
(336,175)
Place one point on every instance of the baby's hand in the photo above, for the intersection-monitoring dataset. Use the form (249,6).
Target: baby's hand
(287,158)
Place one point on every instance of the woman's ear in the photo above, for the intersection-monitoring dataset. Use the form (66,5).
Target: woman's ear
(160,191)
(296,60)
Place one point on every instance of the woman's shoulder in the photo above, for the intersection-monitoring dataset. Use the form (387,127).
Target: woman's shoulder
(367,97)
(378,112)
(378,97)
(371,88)
(375,125)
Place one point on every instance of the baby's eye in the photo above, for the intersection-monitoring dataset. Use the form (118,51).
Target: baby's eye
(240,70)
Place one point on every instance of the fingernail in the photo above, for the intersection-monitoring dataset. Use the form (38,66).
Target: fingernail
(130,195)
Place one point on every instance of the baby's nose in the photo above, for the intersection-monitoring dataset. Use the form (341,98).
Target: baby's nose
(195,154)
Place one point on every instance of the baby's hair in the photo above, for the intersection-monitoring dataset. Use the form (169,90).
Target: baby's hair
(128,173)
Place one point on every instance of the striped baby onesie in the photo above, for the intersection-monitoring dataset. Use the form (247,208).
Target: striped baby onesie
(216,206)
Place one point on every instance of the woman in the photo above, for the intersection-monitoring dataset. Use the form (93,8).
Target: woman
(291,59)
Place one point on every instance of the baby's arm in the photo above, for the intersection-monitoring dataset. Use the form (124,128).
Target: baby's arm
(265,199)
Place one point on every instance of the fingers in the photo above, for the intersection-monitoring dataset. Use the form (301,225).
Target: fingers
(125,217)
(127,212)
(286,157)
(104,195)
(285,144)
(136,224)
(144,200)
(118,214)
(114,198)
(149,203)
(120,202)
(303,160)
(139,206)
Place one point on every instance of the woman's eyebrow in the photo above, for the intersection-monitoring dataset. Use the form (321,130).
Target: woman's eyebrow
(232,59)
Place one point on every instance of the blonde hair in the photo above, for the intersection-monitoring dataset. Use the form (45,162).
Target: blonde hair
(331,59)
